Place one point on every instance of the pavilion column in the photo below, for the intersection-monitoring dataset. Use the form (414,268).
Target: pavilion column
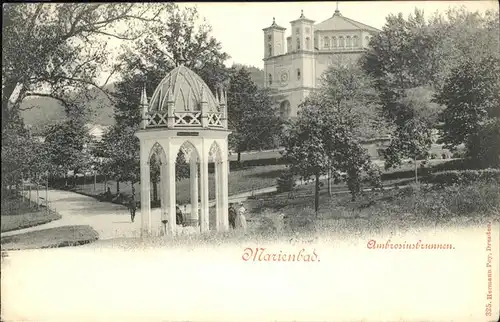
(204,217)
(169,186)
(145,198)
(194,187)
(224,194)
(163,192)
(218,198)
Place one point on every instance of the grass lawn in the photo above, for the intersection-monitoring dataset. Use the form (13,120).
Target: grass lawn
(51,238)
(18,213)
(400,209)
(241,180)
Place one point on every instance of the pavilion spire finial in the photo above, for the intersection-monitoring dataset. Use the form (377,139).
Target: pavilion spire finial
(274,22)
(337,8)
(144,106)
(301,13)
(181,60)
(144,97)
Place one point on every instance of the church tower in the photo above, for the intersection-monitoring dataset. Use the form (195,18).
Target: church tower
(274,40)
(302,33)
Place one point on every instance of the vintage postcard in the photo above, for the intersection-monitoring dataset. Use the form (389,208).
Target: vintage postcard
(251,161)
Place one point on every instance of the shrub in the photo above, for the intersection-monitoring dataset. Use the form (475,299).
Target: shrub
(463,177)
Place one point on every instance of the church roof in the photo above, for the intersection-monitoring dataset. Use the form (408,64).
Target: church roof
(185,89)
(339,22)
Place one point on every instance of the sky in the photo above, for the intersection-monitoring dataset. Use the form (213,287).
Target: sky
(238,25)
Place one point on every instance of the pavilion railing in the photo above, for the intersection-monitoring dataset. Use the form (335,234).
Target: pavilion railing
(185,119)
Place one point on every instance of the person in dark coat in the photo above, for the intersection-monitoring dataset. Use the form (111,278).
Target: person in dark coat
(232,216)
(132,206)
(179,218)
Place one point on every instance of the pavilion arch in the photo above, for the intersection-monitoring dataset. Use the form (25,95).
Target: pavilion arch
(215,155)
(189,150)
(158,152)
(215,152)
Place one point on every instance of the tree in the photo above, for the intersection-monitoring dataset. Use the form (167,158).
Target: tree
(51,50)
(326,137)
(16,151)
(471,95)
(252,113)
(306,151)
(66,145)
(349,93)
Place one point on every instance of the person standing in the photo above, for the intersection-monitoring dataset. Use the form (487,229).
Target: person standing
(232,216)
(179,218)
(132,206)
(241,222)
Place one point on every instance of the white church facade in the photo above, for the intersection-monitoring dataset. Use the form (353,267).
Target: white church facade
(294,67)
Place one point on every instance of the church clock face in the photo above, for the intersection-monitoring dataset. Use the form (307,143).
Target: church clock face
(284,77)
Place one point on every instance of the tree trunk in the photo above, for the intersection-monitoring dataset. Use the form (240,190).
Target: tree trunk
(95,181)
(37,193)
(117,187)
(239,157)
(316,195)
(133,190)
(22,189)
(47,193)
(329,183)
(7,91)
(29,191)
(105,184)
(416,170)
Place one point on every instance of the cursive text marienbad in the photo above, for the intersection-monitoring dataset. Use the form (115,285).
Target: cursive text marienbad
(262,255)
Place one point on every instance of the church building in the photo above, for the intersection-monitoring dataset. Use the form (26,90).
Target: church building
(294,67)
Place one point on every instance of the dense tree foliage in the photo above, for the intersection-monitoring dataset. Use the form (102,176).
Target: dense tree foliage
(471,95)
(252,113)
(410,61)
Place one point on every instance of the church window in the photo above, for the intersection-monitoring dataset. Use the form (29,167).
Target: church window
(270,77)
(355,42)
(298,44)
(326,42)
(298,73)
(334,42)
(269,38)
(308,45)
(341,42)
(270,49)
(297,31)
(348,41)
